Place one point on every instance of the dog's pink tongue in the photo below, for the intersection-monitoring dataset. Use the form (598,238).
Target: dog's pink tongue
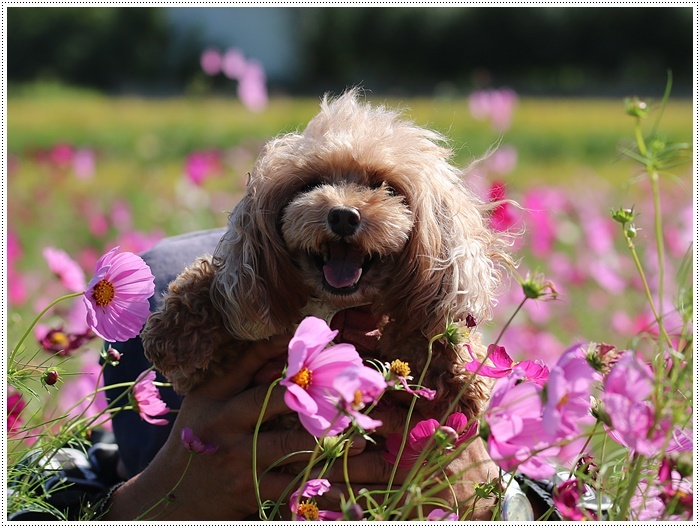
(344,265)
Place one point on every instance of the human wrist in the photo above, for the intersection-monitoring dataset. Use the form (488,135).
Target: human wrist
(149,495)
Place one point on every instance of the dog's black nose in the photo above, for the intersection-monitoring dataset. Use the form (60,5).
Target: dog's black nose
(343,221)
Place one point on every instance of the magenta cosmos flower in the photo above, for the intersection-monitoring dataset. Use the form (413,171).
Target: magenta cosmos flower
(357,387)
(65,268)
(146,399)
(117,296)
(194,444)
(312,369)
(307,510)
(503,365)
(15,406)
(567,497)
(422,436)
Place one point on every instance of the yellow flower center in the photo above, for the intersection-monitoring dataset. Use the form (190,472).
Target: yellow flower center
(302,378)
(60,339)
(564,400)
(103,292)
(357,401)
(400,368)
(308,511)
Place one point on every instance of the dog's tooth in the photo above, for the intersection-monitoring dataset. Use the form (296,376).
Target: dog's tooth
(359,276)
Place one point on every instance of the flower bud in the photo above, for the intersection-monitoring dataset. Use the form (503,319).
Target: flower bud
(446,436)
(50,377)
(536,287)
(353,512)
(598,411)
(602,356)
(622,215)
(456,332)
(635,107)
(111,356)
(631,231)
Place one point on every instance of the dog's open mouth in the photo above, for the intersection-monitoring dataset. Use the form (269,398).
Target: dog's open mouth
(342,265)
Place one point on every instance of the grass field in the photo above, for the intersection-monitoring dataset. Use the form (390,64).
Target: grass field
(140,147)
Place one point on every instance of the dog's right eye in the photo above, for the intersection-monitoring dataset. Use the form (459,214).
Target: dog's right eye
(308,187)
(384,185)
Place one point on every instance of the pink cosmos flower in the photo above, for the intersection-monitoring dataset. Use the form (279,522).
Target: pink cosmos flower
(503,160)
(357,387)
(252,89)
(311,373)
(65,268)
(535,371)
(84,164)
(517,438)
(233,64)
(568,406)
(421,439)
(210,61)
(17,293)
(498,105)
(194,444)
(117,296)
(146,399)
(307,510)
(626,393)
(646,503)
(438,514)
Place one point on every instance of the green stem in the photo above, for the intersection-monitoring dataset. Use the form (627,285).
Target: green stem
(36,320)
(503,330)
(658,231)
(647,291)
(631,485)
(256,433)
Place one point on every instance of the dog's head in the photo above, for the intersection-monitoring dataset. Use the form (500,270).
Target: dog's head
(361,207)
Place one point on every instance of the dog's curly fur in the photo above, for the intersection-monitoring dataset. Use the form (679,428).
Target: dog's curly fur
(362,207)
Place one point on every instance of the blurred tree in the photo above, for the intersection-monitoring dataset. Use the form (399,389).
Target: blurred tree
(102,47)
(535,49)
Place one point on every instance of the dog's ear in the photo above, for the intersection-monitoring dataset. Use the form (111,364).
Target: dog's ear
(183,339)
(451,266)
(256,287)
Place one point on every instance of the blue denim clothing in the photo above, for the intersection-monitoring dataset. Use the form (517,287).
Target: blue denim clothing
(138,440)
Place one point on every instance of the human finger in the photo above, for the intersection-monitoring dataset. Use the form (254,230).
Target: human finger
(394,420)
(287,447)
(368,467)
(244,409)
